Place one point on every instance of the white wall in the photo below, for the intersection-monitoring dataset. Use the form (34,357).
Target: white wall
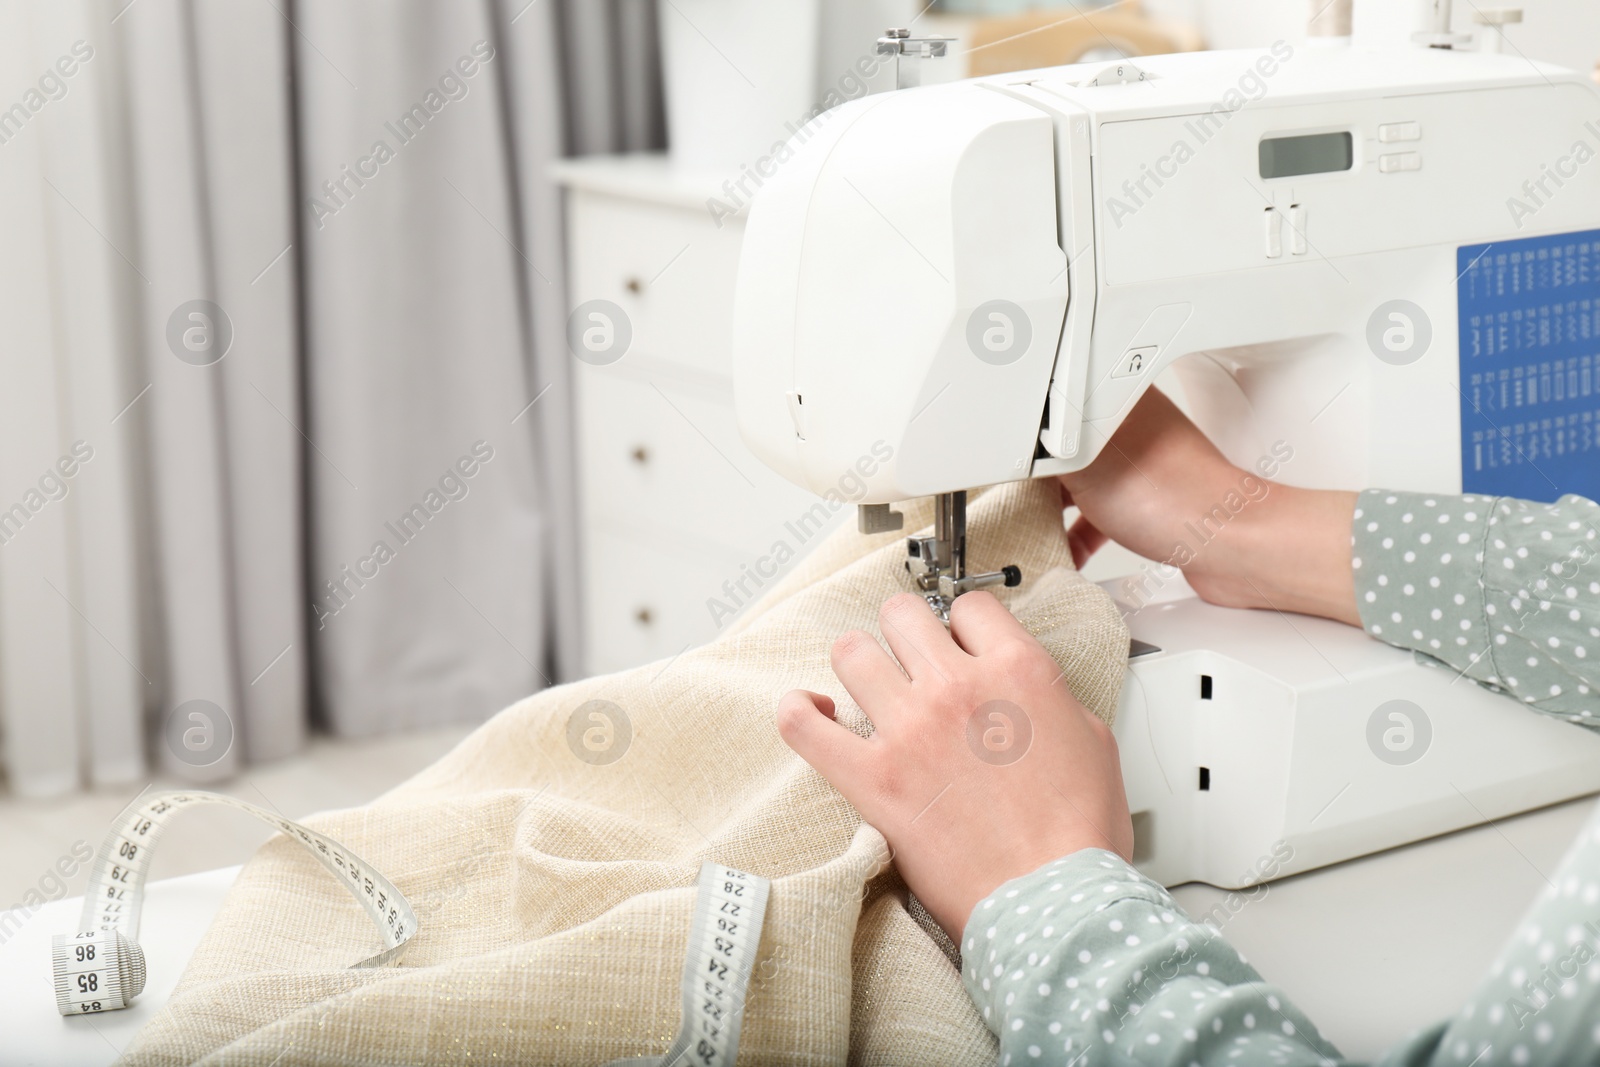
(1556,31)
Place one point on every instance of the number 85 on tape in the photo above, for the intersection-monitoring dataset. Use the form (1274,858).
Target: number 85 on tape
(98,971)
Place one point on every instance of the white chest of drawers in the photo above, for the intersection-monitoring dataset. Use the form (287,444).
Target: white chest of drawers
(675,511)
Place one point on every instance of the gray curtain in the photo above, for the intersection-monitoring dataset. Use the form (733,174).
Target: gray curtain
(365,504)
(612,69)
(429,518)
(446,268)
(146,190)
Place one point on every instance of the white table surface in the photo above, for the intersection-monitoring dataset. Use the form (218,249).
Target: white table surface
(1370,949)
(177,912)
(1375,948)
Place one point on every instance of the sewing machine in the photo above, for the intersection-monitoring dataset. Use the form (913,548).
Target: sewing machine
(1375,261)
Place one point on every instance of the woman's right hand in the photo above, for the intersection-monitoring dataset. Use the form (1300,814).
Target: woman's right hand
(1162,489)
(1157,472)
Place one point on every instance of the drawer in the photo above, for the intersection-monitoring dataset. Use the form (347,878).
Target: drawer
(657,455)
(669,268)
(644,602)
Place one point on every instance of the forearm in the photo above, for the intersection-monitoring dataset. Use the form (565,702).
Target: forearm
(1161,489)
(1288,552)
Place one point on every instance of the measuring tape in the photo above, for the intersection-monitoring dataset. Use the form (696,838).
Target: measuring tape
(729,909)
(101,968)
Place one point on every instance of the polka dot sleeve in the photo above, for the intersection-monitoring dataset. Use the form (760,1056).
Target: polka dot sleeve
(1505,591)
(1086,961)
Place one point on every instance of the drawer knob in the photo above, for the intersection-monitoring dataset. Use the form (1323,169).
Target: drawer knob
(640,455)
(643,616)
(634,286)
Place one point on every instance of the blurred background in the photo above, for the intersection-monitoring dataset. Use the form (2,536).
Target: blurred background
(364,366)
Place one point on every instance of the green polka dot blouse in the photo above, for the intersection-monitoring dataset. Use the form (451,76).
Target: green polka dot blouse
(1085,961)
(1506,591)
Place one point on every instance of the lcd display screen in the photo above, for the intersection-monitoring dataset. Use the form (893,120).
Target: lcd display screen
(1317,153)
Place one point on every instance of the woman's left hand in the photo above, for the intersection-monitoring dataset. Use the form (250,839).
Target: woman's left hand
(983,767)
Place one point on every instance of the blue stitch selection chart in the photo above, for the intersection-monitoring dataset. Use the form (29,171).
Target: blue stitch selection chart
(1529,314)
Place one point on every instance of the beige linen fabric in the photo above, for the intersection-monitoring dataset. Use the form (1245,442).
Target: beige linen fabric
(554,894)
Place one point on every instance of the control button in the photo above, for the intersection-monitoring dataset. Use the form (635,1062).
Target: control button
(1397,161)
(1297,230)
(1123,73)
(1135,361)
(1274,233)
(1390,132)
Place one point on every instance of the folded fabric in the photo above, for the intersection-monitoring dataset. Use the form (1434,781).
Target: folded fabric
(552,857)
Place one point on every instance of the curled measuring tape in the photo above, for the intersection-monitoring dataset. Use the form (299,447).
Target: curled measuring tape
(729,909)
(101,968)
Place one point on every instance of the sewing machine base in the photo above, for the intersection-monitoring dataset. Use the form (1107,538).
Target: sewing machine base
(1257,744)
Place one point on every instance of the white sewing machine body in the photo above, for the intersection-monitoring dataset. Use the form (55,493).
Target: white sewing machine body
(986,275)
(1291,780)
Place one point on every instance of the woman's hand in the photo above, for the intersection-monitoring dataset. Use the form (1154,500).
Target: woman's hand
(1157,471)
(983,766)
(1163,490)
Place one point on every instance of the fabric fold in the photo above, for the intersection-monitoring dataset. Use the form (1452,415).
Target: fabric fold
(553,854)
